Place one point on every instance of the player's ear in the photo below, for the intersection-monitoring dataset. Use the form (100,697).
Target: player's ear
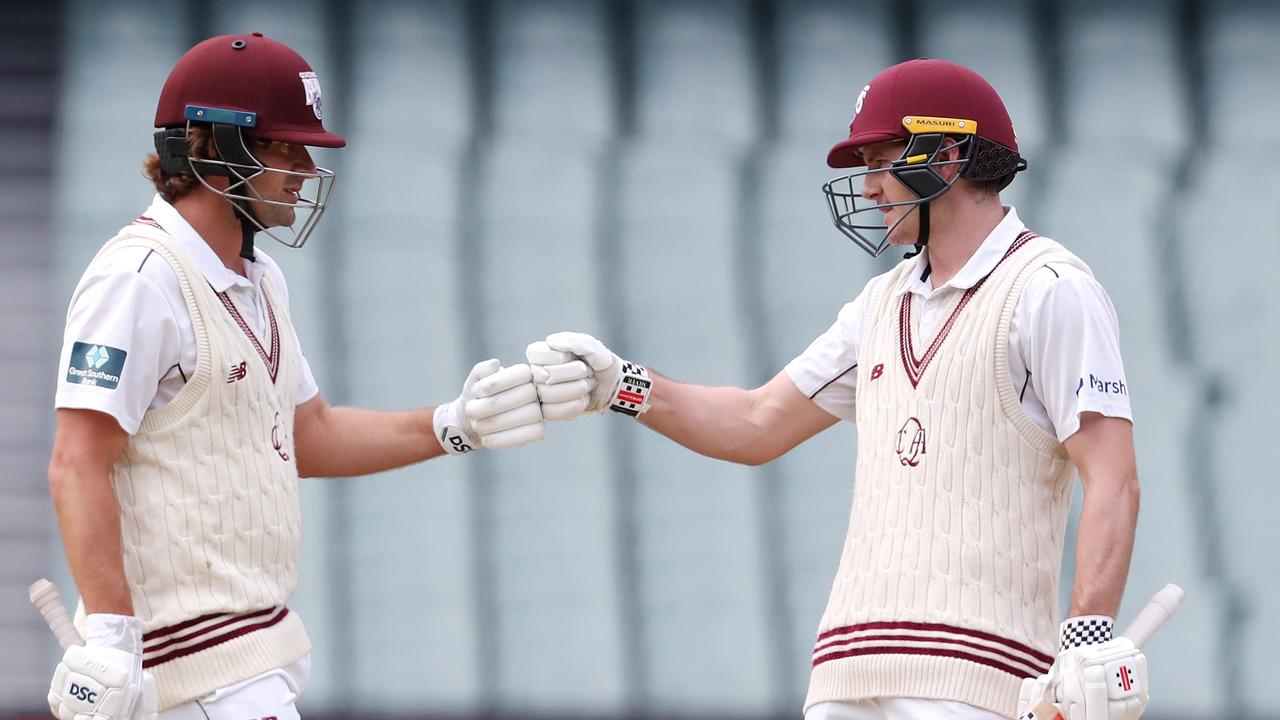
(950,153)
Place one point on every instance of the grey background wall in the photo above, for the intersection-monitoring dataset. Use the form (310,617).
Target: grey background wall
(606,572)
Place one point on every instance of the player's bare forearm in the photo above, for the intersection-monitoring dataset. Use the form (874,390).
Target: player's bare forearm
(1103,451)
(86,445)
(347,441)
(751,427)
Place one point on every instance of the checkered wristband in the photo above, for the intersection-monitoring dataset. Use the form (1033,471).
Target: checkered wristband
(1085,630)
(632,394)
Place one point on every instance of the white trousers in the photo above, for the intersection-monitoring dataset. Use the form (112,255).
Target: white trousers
(899,709)
(269,696)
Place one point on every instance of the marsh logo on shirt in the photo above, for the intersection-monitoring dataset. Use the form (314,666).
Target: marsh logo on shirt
(98,365)
(1107,387)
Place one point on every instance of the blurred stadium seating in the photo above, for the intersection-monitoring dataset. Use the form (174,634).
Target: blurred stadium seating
(671,153)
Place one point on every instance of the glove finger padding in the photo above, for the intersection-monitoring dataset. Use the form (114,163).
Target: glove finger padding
(528,414)
(565,391)
(584,346)
(566,410)
(479,371)
(483,407)
(561,373)
(503,379)
(539,353)
(521,435)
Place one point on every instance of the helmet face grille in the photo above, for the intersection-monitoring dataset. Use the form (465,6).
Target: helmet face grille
(237,163)
(917,170)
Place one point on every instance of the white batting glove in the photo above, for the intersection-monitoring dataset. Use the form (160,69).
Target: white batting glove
(103,679)
(575,373)
(1096,677)
(498,408)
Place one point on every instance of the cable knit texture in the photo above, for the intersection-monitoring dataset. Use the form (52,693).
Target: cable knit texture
(948,584)
(208,494)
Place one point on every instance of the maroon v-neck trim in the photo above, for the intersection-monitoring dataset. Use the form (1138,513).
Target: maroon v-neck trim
(915,366)
(272,359)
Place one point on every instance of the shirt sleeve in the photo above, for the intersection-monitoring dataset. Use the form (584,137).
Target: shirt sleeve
(826,370)
(120,339)
(1072,348)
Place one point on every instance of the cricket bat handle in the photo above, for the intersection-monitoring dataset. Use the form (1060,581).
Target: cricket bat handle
(44,595)
(1159,609)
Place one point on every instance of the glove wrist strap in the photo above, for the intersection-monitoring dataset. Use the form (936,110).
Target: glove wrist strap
(449,432)
(631,396)
(1085,630)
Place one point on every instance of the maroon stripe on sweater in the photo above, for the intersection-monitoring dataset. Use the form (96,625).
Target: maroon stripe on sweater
(214,641)
(934,639)
(915,367)
(144,220)
(272,359)
(205,631)
(938,627)
(928,652)
(159,632)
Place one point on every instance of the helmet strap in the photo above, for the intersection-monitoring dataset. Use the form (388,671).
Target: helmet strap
(922,236)
(248,228)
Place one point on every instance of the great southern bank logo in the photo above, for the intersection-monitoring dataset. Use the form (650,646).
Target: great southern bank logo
(97,365)
(97,357)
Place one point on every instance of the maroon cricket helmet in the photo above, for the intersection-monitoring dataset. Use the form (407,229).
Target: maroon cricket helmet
(924,88)
(251,81)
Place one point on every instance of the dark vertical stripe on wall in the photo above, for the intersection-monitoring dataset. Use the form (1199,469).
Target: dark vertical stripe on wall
(481,473)
(199,20)
(630,576)
(904,23)
(770,520)
(1201,456)
(1046,24)
(764,31)
(338,15)
(1190,45)
(621,20)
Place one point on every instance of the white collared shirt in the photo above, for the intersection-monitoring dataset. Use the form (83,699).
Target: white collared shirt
(129,301)
(1064,340)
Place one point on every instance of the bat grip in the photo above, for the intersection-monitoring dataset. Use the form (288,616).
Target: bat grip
(1159,609)
(44,595)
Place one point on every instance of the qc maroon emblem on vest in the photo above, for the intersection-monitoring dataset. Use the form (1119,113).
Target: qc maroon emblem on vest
(911,444)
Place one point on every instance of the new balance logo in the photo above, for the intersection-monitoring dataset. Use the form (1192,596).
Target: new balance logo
(877,371)
(237,372)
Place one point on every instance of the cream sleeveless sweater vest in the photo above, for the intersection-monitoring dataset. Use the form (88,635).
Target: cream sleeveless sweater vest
(208,494)
(948,583)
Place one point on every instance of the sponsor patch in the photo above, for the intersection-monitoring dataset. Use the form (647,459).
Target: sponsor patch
(98,365)
(1106,387)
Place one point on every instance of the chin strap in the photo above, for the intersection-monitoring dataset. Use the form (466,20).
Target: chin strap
(922,238)
(247,229)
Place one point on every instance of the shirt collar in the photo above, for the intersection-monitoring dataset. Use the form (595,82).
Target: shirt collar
(219,276)
(979,265)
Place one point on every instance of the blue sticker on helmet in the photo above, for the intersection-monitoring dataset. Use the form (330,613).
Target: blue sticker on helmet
(200,113)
